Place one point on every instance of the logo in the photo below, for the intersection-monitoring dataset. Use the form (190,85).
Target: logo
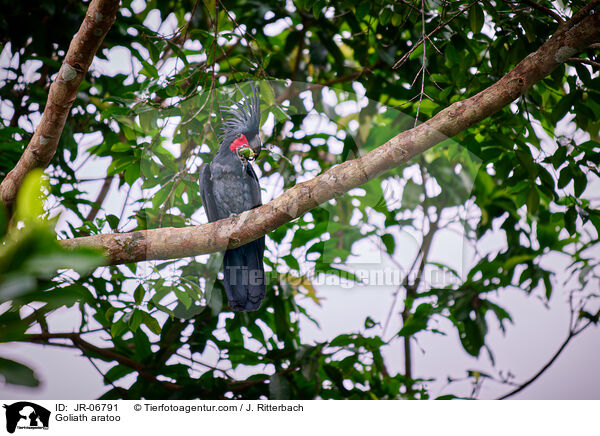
(26,415)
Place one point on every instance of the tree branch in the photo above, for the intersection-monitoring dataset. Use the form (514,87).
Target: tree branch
(583,12)
(548,364)
(291,90)
(172,243)
(411,290)
(89,350)
(105,353)
(406,55)
(552,14)
(99,18)
(585,61)
(100,199)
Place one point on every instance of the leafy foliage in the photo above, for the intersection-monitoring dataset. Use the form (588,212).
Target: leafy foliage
(148,114)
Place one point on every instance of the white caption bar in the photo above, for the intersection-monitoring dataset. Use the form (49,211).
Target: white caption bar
(287,418)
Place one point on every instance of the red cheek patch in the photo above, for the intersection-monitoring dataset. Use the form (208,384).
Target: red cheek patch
(237,143)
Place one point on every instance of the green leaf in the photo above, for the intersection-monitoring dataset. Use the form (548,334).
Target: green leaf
(472,335)
(135,319)
(265,64)
(316,9)
(411,195)
(291,261)
(31,194)
(369,323)
(119,326)
(341,340)
(513,261)
(547,284)
(82,261)
(476,19)
(151,323)
(116,372)
(132,173)
(121,147)
(183,297)
(500,313)
(138,294)
(149,70)
(385,16)
(362,10)
(533,200)
(113,221)
(595,219)
(580,183)
(389,242)
(177,50)
(563,107)
(417,321)
(570,218)
(15,373)
(559,157)
(279,388)
(148,120)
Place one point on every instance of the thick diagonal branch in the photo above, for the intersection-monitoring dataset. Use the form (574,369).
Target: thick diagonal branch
(39,152)
(170,243)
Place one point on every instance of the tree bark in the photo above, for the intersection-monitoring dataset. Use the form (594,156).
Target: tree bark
(171,243)
(41,149)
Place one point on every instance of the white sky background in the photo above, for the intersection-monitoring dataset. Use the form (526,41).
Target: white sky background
(528,344)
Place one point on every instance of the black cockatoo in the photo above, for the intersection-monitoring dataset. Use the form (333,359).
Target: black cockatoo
(228,186)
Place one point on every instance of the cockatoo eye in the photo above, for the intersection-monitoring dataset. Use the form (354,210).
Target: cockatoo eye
(238,142)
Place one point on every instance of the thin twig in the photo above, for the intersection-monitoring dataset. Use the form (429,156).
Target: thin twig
(107,353)
(585,61)
(100,199)
(433,32)
(422,70)
(539,7)
(521,387)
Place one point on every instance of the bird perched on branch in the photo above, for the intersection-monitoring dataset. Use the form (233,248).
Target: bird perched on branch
(229,186)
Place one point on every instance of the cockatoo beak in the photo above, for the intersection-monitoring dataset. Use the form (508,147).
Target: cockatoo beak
(256,145)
